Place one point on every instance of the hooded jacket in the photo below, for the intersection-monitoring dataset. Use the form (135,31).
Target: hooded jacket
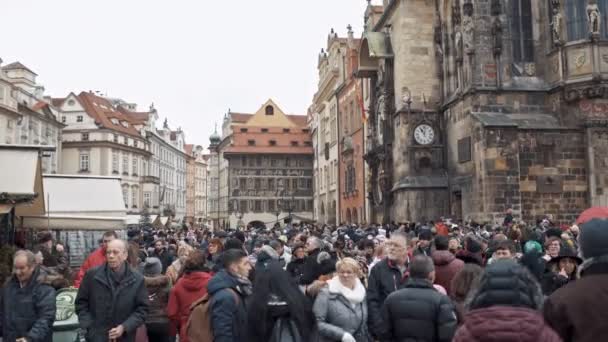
(505,324)
(97,258)
(228,314)
(158,296)
(29,311)
(578,311)
(188,289)
(266,255)
(446,267)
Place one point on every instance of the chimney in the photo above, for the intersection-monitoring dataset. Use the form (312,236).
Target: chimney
(351,36)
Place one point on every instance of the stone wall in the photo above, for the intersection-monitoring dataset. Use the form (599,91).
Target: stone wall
(553,175)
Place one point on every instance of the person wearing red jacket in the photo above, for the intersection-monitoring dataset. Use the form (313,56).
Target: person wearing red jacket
(97,258)
(190,287)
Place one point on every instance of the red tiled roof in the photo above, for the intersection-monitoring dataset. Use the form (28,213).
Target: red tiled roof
(39,105)
(299,120)
(135,117)
(93,106)
(57,102)
(240,117)
(188,148)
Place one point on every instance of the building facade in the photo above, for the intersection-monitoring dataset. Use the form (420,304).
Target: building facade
(269,158)
(351,137)
(101,140)
(26,116)
(324,112)
(196,185)
(491,105)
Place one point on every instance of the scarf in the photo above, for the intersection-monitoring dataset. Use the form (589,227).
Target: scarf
(245,286)
(354,296)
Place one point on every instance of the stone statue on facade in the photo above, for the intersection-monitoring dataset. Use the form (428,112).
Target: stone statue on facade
(594,18)
(458,44)
(468,27)
(556,25)
(497,35)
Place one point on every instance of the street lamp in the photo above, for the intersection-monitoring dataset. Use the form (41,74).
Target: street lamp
(239,213)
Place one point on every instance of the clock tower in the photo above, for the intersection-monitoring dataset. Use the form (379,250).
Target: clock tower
(420,188)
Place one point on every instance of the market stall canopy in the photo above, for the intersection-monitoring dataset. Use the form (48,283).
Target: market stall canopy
(20,165)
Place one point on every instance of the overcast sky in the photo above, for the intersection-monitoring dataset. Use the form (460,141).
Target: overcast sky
(193,58)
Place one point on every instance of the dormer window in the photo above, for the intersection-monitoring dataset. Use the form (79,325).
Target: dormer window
(269,110)
(125,123)
(114,121)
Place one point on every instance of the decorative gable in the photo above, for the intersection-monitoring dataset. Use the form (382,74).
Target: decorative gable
(270,115)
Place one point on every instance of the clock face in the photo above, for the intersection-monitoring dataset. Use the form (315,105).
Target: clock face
(424,134)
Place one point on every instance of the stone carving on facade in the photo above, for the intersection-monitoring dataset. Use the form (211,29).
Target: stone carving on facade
(594,18)
(468,27)
(497,35)
(381,117)
(556,23)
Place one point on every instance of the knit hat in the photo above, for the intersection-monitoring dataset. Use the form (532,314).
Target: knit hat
(532,245)
(594,238)
(153,267)
(425,234)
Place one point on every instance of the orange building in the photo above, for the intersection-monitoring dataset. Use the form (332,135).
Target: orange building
(269,172)
(351,148)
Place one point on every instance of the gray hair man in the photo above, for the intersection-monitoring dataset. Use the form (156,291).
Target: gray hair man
(112,301)
(27,303)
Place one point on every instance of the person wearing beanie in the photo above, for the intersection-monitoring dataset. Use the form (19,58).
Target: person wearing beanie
(423,246)
(504,306)
(472,252)
(158,286)
(578,311)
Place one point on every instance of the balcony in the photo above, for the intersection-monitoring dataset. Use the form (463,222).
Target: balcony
(150,179)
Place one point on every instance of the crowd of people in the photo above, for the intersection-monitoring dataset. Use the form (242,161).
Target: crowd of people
(437,281)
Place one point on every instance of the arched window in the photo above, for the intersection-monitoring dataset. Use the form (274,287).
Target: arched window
(576,19)
(521,27)
(269,110)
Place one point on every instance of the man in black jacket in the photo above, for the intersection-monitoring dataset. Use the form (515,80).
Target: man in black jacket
(386,277)
(112,300)
(311,269)
(27,303)
(418,312)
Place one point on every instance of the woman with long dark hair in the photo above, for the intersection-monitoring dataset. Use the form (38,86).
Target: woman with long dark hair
(278,310)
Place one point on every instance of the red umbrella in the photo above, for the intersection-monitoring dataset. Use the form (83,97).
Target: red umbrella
(591,213)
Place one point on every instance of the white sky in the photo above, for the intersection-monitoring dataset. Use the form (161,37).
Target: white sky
(193,58)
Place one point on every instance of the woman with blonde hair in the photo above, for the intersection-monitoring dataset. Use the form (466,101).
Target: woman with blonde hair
(174,270)
(341,308)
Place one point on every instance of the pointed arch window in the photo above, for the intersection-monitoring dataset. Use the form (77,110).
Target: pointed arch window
(576,19)
(521,28)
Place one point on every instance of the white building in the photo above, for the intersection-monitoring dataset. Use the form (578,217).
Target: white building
(200,185)
(103,140)
(323,119)
(26,116)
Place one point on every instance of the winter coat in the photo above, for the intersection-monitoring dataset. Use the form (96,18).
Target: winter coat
(158,297)
(418,313)
(54,260)
(310,270)
(446,267)
(188,289)
(102,306)
(384,279)
(470,258)
(295,268)
(551,281)
(266,256)
(336,315)
(165,258)
(29,311)
(505,324)
(279,325)
(97,258)
(228,314)
(578,311)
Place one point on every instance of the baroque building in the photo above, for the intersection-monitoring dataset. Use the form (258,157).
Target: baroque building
(269,167)
(351,179)
(102,139)
(486,106)
(27,116)
(323,118)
